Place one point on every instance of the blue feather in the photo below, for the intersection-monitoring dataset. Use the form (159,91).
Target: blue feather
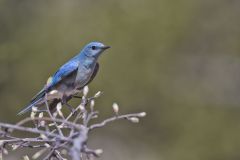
(64,71)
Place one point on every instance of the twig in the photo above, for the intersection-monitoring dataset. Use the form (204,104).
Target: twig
(50,140)
(32,130)
(111,119)
(50,114)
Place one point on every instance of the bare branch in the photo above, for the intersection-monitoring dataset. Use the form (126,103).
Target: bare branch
(126,116)
(31,130)
(56,137)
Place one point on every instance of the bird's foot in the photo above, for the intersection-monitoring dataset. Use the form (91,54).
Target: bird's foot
(77,97)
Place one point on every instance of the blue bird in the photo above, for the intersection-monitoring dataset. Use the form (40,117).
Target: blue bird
(70,78)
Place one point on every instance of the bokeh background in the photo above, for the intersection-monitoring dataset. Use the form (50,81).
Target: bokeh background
(177,60)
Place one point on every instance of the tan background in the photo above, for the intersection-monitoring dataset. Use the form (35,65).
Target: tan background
(177,60)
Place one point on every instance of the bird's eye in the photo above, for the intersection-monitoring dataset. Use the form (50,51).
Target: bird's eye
(93,47)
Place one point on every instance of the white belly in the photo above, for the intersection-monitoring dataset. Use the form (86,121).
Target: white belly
(55,94)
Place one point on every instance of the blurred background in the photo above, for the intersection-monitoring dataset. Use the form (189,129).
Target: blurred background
(177,60)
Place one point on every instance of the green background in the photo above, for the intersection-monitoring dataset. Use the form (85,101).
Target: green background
(178,60)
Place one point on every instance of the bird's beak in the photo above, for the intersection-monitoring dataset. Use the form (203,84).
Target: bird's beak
(105,47)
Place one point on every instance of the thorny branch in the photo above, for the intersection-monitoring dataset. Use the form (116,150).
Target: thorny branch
(57,137)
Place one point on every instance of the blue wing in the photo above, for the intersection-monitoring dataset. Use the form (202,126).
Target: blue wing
(64,71)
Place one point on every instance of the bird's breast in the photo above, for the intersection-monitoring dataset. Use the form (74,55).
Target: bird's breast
(83,76)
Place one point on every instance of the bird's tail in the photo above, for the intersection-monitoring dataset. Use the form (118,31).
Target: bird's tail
(39,97)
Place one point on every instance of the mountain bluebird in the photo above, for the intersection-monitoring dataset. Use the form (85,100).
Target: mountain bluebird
(70,78)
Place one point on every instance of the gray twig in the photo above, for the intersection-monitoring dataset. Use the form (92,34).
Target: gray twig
(47,132)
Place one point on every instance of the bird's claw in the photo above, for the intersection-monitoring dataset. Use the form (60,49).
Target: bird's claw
(77,96)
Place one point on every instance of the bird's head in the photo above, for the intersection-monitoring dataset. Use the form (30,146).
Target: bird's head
(94,49)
